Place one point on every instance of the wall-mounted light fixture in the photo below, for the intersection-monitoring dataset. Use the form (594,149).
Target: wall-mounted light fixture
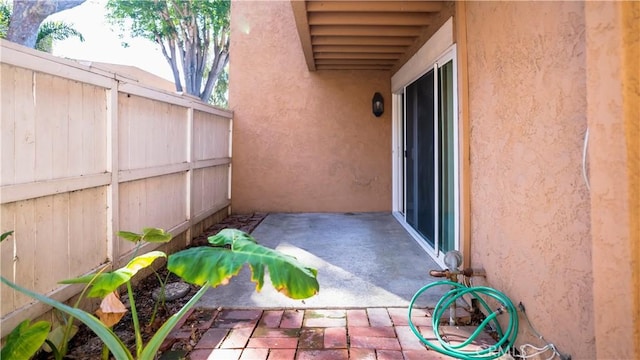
(377,104)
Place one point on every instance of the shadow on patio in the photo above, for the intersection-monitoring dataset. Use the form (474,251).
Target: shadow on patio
(363,260)
(369,268)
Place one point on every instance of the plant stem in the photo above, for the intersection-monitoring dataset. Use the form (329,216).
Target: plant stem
(64,346)
(136,323)
(105,352)
(161,299)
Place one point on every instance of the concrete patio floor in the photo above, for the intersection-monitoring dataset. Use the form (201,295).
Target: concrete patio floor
(363,260)
(369,268)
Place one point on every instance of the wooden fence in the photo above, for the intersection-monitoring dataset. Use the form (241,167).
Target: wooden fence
(86,152)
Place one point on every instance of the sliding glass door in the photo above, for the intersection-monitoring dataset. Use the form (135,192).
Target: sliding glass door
(430,171)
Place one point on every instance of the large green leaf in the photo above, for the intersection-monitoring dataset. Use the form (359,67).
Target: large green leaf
(234,248)
(105,283)
(25,340)
(115,345)
(153,235)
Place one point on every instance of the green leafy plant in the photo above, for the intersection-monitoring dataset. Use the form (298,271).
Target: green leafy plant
(47,32)
(28,339)
(25,340)
(5,235)
(207,266)
(151,235)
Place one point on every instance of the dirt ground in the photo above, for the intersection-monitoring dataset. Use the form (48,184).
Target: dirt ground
(85,345)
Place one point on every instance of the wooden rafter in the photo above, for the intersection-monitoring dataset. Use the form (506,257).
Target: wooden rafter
(364,34)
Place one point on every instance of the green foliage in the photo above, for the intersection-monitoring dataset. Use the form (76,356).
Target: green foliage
(54,30)
(104,333)
(58,338)
(105,283)
(206,266)
(220,95)
(5,18)
(47,32)
(6,235)
(234,248)
(25,340)
(152,235)
(194,33)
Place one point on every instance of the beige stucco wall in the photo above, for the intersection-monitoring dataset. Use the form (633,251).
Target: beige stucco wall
(303,141)
(530,207)
(613,98)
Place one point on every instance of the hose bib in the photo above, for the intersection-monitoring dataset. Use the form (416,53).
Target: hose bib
(506,339)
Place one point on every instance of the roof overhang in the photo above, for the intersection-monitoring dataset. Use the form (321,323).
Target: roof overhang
(365,35)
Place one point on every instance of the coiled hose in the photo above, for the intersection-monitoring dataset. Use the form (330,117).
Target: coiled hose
(506,338)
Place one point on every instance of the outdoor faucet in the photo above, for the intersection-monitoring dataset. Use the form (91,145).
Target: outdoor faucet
(453,260)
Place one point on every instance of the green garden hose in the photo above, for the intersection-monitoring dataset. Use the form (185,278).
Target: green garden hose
(506,338)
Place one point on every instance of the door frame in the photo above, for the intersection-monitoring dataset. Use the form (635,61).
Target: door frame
(398,151)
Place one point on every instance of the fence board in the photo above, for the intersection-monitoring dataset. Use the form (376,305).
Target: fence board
(75,165)
(94,129)
(25,142)
(151,133)
(47,249)
(59,119)
(69,183)
(144,203)
(24,248)
(211,136)
(210,187)
(7,116)
(44,104)
(89,249)
(7,223)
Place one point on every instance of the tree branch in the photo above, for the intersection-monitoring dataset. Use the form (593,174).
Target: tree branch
(29,14)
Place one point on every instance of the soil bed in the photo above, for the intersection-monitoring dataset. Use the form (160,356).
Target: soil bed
(87,346)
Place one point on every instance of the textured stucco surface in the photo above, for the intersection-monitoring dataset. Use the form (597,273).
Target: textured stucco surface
(303,141)
(613,96)
(530,207)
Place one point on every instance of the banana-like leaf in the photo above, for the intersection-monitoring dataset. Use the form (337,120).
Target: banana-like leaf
(25,340)
(234,248)
(153,235)
(106,283)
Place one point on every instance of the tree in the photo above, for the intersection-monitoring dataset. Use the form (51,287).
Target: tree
(194,31)
(219,96)
(29,14)
(47,32)
(54,30)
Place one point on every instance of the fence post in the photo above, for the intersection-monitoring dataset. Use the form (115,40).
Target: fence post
(189,180)
(113,250)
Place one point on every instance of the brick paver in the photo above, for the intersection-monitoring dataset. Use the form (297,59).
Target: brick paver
(282,354)
(254,354)
(357,317)
(353,334)
(379,317)
(292,319)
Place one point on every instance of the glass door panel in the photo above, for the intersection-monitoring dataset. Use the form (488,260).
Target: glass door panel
(446,160)
(430,157)
(419,156)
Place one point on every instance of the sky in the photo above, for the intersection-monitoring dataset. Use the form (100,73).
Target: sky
(102,43)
